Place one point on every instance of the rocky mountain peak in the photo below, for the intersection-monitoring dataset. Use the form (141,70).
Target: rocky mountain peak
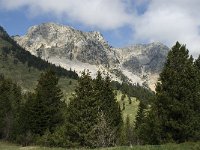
(71,48)
(50,40)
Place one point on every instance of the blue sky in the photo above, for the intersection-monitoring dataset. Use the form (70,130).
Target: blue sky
(122,22)
(17,23)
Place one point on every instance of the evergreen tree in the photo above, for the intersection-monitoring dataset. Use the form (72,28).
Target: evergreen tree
(147,129)
(82,112)
(111,107)
(10,105)
(140,114)
(197,103)
(46,109)
(16,105)
(141,123)
(108,104)
(5,109)
(102,135)
(177,94)
(94,101)
(98,85)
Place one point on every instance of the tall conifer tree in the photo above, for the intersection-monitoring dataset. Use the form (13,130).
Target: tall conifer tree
(108,104)
(176,95)
(82,112)
(45,111)
(93,99)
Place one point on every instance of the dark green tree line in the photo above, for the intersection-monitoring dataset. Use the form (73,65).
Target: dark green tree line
(174,113)
(43,108)
(10,104)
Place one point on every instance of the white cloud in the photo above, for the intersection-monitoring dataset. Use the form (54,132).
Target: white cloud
(169,21)
(103,14)
(166,21)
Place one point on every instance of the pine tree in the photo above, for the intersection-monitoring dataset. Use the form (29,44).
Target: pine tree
(108,104)
(45,111)
(10,105)
(111,107)
(26,120)
(176,95)
(102,135)
(140,123)
(147,127)
(140,114)
(16,104)
(82,112)
(197,103)
(5,109)
(98,85)
(93,98)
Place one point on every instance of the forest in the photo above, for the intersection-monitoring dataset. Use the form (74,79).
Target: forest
(93,117)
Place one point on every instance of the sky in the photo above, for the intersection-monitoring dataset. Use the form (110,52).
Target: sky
(122,22)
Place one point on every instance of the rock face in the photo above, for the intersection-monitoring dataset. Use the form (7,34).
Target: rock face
(49,40)
(70,48)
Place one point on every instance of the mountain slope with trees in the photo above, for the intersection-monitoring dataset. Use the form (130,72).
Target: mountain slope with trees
(22,67)
(68,47)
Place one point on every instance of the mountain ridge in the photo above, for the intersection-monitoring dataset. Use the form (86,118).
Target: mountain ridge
(70,48)
(24,68)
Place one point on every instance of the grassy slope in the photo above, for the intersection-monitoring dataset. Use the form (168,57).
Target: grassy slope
(130,109)
(184,146)
(27,77)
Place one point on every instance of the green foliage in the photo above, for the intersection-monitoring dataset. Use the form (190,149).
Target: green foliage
(171,146)
(127,136)
(123,108)
(147,128)
(45,107)
(130,109)
(109,104)
(102,134)
(93,116)
(131,90)
(19,65)
(91,98)
(32,61)
(174,114)
(10,104)
(129,100)
(123,97)
(56,139)
(82,111)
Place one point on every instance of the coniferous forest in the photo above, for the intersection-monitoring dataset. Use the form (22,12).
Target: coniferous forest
(93,116)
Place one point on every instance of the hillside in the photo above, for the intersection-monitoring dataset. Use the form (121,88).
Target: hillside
(24,68)
(71,48)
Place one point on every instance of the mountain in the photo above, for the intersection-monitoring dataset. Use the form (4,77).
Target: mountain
(144,61)
(23,67)
(71,48)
